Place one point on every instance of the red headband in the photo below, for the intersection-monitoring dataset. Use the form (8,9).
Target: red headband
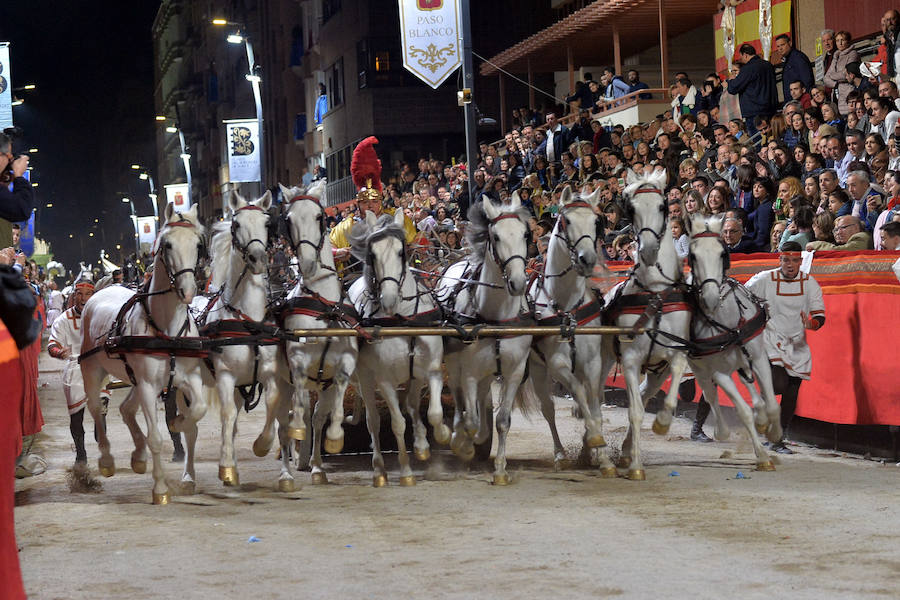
(84,284)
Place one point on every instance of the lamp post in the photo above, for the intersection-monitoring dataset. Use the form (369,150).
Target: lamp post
(137,245)
(238,37)
(146,176)
(185,154)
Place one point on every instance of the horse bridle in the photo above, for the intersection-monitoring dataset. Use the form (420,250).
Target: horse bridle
(165,254)
(321,218)
(563,228)
(709,234)
(503,263)
(245,249)
(376,282)
(656,234)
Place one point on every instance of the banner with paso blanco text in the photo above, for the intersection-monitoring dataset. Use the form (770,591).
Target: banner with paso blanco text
(177,194)
(430,35)
(242,139)
(146,230)
(6,119)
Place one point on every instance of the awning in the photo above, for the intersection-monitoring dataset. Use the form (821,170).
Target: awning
(589,32)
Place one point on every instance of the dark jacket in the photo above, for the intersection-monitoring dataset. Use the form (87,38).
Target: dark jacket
(761,221)
(15,205)
(640,85)
(756,86)
(796,68)
(561,141)
(709,102)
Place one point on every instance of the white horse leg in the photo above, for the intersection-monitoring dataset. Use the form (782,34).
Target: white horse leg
(762,369)
(635,417)
(724,381)
(711,394)
(435,408)
(358,404)
(320,412)
(540,381)
(373,424)
(197,395)
(398,426)
(229,404)
(664,417)
(93,381)
(509,389)
(334,436)
(275,388)
(128,409)
(147,396)
(281,411)
(411,403)
(648,388)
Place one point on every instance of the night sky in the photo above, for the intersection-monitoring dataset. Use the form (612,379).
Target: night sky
(91,115)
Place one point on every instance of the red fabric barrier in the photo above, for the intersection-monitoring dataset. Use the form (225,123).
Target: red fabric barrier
(853,379)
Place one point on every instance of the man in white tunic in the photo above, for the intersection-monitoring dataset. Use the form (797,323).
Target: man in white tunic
(65,344)
(795,304)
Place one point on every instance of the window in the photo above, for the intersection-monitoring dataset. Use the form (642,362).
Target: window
(380,63)
(329,9)
(335,84)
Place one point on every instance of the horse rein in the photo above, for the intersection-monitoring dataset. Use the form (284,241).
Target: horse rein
(719,284)
(165,256)
(572,246)
(503,263)
(321,218)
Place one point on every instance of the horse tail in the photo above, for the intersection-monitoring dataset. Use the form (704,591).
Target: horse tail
(527,400)
(356,416)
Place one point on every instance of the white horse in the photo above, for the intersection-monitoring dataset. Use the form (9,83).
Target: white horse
(562,296)
(497,235)
(316,302)
(161,313)
(238,309)
(655,297)
(727,330)
(388,295)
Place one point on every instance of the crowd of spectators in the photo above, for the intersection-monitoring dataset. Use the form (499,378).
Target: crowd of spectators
(821,167)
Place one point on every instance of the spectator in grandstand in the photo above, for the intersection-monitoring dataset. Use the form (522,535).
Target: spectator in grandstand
(884,116)
(558,139)
(797,66)
(836,75)
(733,236)
(775,237)
(635,84)
(755,86)
(876,156)
(799,229)
(798,93)
(849,234)
(890,236)
(761,218)
(867,201)
(823,227)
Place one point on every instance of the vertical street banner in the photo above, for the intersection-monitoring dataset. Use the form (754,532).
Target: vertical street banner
(26,237)
(430,34)
(177,194)
(242,140)
(146,230)
(757,22)
(6,119)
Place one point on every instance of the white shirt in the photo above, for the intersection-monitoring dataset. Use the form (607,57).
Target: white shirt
(551,151)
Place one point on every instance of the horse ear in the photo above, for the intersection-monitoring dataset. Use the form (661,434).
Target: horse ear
(191,214)
(515,202)
(566,196)
(594,199)
(688,222)
(285,192)
(371,219)
(170,211)
(236,201)
(491,210)
(265,202)
(399,218)
(659,178)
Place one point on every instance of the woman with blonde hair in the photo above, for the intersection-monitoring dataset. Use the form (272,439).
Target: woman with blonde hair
(823,227)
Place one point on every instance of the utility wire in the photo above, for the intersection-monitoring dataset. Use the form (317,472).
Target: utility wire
(505,72)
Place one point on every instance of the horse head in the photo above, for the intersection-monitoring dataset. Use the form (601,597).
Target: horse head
(305,220)
(507,239)
(645,204)
(708,258)
(579,227)
(385,259)
(181,246)
(250,229)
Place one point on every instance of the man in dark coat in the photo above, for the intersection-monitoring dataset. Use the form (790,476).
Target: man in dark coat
(797,66)
(755,84)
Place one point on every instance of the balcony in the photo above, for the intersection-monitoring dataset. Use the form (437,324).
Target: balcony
(314,142)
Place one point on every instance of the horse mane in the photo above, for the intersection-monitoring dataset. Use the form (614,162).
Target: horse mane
(360,235)
(220,253)
(478,229)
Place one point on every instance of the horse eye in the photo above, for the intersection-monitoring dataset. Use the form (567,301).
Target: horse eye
(168,245)
(496,238)
(237,225)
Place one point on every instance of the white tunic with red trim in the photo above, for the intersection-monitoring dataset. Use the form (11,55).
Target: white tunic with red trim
(785,334)
(66,333)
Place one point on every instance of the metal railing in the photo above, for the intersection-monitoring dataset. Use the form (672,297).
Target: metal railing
(339,191)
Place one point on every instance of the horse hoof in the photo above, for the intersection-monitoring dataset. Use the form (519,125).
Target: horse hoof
(334,446)
(379,481)
(297,433)
(761,428)
(408,480)
(659,428)
(286,485)
(138,466)
(319,478)
(636,475)
(466,453)
(501,479)
(442,435)
(188,488)
(765,465)
(260,448)
(596,441)
(423,454)
(109,470)
(229,476)
(609,473)
(624,462)
(161,499)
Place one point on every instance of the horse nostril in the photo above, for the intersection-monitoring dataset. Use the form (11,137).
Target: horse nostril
(252,258)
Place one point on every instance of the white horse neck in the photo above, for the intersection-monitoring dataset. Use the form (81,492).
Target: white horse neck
(667,269)
(248,293)
(166,310)
(326,282)
(414,300)
(564,288)
(495,303)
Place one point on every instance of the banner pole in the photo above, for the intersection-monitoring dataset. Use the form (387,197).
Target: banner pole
(468,107)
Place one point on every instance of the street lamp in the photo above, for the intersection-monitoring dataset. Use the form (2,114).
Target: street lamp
(237,37)
(146,176)
(134,221)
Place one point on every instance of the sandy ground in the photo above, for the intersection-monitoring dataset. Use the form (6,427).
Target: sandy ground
(822,526)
